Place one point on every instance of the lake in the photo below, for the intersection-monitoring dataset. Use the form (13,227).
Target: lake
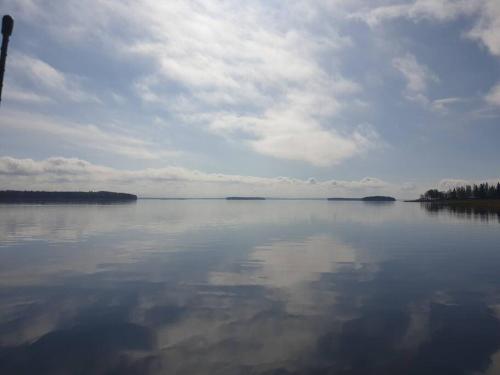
(249,287)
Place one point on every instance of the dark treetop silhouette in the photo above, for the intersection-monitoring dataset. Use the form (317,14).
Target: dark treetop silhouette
(468,192)
(13,196)
(7,27)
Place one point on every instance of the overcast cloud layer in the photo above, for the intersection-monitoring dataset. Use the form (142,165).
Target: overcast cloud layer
(194,97)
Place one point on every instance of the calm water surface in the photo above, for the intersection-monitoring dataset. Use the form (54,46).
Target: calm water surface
(259,287)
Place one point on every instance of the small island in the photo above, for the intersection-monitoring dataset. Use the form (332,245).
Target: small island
(245,198)
(378,198)
(375,198)
(40,197)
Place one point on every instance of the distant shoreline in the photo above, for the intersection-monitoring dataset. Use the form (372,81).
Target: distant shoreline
(375,198)
(42,197)
(245,198)
(364,199)
(344,199)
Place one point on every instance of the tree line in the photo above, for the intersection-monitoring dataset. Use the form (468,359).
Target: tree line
(16,196)
(476,191)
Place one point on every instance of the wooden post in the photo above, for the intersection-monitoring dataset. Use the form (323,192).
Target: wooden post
(7,26)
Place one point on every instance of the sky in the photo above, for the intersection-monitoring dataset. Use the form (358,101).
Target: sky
(206,98)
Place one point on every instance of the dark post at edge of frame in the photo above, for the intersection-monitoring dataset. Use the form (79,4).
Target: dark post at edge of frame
(7,27)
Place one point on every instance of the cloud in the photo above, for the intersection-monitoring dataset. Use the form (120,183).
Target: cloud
(417,77)
(250,78)
(227,60)
(58,173)
(441,10)
(42,82)
(13,93)
(487,28)
(441,105)
(289,133)
(90,136)
(450,183)
(493,97)
(409,186)
(486,13)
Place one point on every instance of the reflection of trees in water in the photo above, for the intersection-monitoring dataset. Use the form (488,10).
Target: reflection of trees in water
(467,210)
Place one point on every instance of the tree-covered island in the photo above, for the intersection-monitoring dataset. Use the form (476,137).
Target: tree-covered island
(16,196)
(374,198)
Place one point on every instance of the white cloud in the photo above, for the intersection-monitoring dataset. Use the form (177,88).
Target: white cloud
(58,173)
(450,183)
(486,28)
(493,97)
(371,182)
(442,105)
(21,95)
(240,60)
(84,135)
(44,82)
(441,10)
(409,186)
(417,77)
(230,57)
(289,133)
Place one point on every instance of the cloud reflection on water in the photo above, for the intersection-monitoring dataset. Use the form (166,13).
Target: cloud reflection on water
(274,288)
